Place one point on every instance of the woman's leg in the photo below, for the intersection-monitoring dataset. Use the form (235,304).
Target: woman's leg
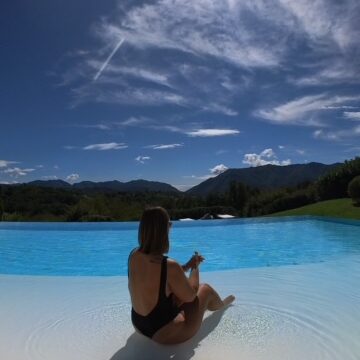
(180,331)
(208,299)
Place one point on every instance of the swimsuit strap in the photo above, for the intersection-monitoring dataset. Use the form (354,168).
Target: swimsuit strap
(163,276)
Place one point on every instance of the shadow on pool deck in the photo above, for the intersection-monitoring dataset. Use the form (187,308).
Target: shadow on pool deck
(140,347)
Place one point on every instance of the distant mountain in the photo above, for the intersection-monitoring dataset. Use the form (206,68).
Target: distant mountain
(102,185)
(267,176)
(131,186)
(264,177)
(50,183)
(140,185)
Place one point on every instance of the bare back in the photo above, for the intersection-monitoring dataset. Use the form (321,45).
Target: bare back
(144,281)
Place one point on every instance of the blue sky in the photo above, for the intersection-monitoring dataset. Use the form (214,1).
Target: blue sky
(175,90)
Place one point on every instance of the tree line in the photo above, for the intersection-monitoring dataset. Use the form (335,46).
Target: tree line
(33,203)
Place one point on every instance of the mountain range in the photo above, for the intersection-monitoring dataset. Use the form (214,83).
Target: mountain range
(115,185)
(264,177)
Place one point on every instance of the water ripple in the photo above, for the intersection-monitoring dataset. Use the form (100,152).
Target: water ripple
(73,334)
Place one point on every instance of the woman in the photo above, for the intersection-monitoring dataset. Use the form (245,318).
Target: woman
(167,306)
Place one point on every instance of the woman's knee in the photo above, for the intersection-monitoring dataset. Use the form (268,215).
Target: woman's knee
(205,288)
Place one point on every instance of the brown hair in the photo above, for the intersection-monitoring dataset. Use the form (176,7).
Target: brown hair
(154,231)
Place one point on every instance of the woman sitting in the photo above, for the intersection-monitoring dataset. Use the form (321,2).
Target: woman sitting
(167,306)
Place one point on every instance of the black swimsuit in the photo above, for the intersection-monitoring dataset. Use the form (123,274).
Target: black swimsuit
(164,311)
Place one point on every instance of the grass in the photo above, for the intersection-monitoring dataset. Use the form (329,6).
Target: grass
(343,208)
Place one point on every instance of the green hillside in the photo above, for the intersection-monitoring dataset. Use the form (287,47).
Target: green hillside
(334,208)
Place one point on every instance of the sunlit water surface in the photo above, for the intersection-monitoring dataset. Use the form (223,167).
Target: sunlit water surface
(102,248)
(296,282)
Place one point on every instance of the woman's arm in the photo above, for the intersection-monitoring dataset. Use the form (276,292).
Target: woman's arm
(194,278)
(183,288)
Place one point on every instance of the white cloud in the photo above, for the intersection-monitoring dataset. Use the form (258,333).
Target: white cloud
(72,178)
(337,135)
(164,146)
(212,132)
(285,162)
(341,107)
(217,108)
(5,163)
(99,126)
(50,177)
(266,157)
(318,134)
(148,123)
(218,169)
(107,146)
(170,128)
(205,30)
(332,32)
(202,28)
(281,147)
(221,151)
(326,23)
(142,159)
(9,182)
(201,177)
(268,153)
(246,33)
(355,149)
(16,172)
(216,48)
(94,126)
(301,151)
(137,96)
(334,73)
(136,72)
(39,166)
(56,167)
(134,121)
(303,111)
(352,115)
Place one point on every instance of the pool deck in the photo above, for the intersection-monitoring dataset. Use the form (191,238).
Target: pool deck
(289,312)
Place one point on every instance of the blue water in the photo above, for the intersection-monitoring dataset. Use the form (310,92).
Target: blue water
(102,248)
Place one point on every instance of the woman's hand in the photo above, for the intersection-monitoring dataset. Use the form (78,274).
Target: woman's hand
(194,261)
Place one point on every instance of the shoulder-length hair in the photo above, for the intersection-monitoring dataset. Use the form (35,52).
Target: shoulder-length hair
(154,231)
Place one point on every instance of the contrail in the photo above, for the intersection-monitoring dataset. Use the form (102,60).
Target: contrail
(105,64)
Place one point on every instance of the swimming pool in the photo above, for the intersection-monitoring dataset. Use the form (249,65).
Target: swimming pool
(101,249)
(282,311)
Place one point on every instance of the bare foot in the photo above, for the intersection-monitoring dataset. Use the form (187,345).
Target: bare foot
(228,300)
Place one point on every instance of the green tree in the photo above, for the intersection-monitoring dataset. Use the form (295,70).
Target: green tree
(213,199)
(354,189)
(335,184)
(238,196)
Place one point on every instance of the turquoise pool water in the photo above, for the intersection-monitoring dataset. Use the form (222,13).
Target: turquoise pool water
(101,249)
